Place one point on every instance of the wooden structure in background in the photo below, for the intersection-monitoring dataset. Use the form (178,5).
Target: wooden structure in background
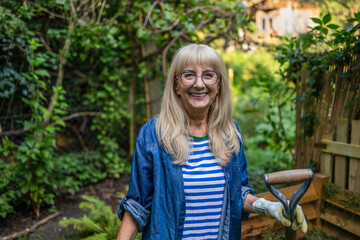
(321,114)
(328,136)
(341,158)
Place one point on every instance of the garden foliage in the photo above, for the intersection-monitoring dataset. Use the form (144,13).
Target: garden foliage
(264,111)
(75,78)
(100,222)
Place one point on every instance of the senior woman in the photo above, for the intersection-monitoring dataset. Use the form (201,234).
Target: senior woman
(188,177)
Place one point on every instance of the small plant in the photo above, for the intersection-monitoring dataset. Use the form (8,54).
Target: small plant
(352,201)
(100,224)
(272,235)
(317,235)
(330,190)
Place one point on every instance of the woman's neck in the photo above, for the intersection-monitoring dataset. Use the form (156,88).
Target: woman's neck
(198,127)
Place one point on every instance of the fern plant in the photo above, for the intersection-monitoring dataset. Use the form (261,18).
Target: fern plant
(100,224)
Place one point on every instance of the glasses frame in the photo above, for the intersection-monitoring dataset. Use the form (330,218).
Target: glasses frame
(201,76)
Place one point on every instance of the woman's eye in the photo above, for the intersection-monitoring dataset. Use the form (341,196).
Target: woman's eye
(189,75)
(208,75)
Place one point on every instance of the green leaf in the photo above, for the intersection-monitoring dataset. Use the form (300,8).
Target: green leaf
(40,172)
(325,30)
(357,15)
(317,28)
(317,20)
(28,125)
(60,2)
(333,26)
(42,73)
(351,20)
(24,189)
(326,18)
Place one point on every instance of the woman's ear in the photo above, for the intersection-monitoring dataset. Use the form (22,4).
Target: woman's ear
(176,87)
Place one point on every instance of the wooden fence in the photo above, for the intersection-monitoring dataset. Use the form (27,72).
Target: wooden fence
(341,155)
(340,160)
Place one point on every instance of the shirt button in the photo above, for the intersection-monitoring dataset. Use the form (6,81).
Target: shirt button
(181,221)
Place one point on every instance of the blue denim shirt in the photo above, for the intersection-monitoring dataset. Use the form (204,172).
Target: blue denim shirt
(156,191)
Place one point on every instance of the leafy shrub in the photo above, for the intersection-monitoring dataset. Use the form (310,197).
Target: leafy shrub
(7,193)
(101,223)
(78,169)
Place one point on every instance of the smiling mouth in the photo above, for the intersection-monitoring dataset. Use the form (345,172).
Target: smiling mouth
(198,94)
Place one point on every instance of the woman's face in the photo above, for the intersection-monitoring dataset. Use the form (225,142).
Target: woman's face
(198,97)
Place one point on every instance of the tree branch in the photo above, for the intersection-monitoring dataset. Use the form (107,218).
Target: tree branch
(166,49)
(66,118)
(199,26)
(148,15)
(101,12)
(31,229)
(232,23)
(45,10)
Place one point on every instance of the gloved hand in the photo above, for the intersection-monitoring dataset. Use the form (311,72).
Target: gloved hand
(275,210)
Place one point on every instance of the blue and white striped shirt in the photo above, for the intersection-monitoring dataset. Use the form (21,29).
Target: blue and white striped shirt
(204,183)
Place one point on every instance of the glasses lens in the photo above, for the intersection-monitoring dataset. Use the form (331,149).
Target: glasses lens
(208,77)
(188,78)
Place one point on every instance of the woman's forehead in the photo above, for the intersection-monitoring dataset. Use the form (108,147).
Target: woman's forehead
(196,67)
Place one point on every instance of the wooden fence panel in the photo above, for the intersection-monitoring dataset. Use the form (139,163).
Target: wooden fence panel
(340,161)
(326,161)
(354,165)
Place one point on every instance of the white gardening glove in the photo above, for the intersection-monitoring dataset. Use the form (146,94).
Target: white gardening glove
(275,210)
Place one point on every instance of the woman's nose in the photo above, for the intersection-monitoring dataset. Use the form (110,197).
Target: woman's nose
(199,82)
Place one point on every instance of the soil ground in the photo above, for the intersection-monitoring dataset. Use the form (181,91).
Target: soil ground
(67,205)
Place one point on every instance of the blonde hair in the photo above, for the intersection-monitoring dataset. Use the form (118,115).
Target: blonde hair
(172,124)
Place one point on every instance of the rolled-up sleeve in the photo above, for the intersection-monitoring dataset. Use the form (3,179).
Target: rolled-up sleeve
(138,200)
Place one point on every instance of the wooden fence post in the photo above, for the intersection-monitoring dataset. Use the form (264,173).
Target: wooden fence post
(326,163)
(340,161)
(354,166)
(319,181)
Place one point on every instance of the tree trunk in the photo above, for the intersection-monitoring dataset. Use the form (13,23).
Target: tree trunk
(62,62)
(132,98)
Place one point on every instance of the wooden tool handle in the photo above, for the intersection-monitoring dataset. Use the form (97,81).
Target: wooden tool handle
(289,176)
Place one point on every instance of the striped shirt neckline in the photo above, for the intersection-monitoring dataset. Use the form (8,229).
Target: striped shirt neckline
(198,138)
(204,184)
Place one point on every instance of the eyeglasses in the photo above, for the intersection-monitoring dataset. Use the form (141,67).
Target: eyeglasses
(188,78)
